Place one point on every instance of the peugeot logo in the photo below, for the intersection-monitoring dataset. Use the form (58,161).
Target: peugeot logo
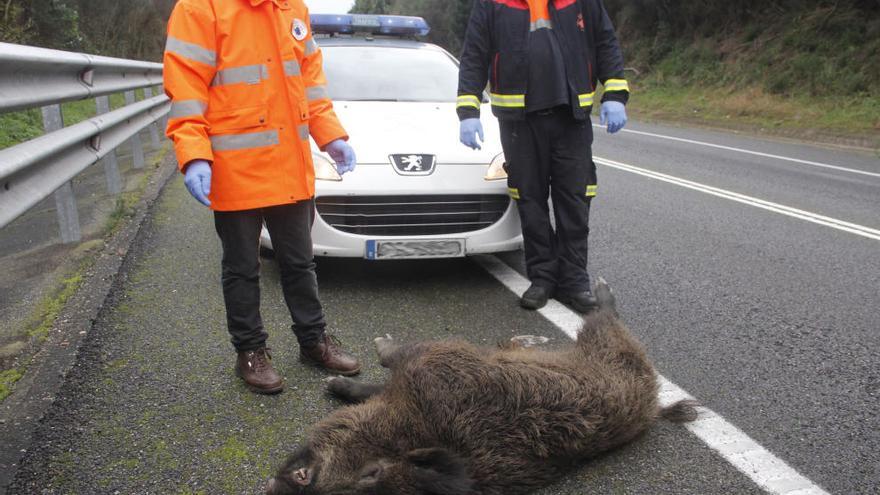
(406,164)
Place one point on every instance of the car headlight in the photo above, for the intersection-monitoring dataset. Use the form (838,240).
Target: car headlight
(324,168)
(496,169)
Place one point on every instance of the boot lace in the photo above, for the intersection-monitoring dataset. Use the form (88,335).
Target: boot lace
(333,344)
(259,359)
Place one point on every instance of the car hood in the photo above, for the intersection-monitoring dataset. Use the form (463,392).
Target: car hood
(379,129)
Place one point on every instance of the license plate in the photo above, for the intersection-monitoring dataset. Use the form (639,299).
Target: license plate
(414,249)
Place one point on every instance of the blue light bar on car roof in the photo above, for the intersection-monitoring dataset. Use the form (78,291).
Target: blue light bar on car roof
(394,25)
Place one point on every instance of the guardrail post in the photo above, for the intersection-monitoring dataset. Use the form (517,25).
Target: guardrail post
(111,164)
(65,201)
(137,148)
(154,127)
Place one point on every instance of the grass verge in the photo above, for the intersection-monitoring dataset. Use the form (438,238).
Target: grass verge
(7,381)
(854,121)
(81,260)
(18,127)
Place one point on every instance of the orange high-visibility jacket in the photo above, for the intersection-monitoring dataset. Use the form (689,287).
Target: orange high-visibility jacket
(247,88)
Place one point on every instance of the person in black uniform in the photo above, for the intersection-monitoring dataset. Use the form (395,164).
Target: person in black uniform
(543,60)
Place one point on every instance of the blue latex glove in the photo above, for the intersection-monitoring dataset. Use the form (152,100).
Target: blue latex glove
(198,180)
(469,130)
(614,113)
(343,154)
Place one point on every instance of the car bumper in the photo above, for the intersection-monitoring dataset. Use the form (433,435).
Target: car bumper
(371,180)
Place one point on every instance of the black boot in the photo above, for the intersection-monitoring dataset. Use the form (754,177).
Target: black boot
(582,302)
(535,297)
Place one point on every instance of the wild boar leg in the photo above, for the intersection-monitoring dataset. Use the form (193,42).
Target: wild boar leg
(391,354)
(351,390)
(385,348)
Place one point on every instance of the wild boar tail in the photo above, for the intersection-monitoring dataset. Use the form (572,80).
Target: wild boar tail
(683,411)
(605,296)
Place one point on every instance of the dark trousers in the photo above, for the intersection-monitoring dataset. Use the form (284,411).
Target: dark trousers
(290,228)
(549,155)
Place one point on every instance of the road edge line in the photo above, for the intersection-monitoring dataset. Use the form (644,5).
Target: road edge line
(815,218)
(756,153)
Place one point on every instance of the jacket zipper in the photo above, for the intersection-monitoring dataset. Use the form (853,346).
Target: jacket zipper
(495,71)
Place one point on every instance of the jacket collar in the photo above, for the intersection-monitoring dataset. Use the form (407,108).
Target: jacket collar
(281,4)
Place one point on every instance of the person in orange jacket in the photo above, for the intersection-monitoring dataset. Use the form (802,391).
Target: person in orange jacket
(247,87)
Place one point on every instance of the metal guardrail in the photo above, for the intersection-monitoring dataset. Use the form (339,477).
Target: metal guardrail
(36,77)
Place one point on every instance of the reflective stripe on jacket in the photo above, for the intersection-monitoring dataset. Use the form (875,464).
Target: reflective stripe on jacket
(496,52)
(247,88)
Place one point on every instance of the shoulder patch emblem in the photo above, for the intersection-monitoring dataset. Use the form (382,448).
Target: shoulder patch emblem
(299,31)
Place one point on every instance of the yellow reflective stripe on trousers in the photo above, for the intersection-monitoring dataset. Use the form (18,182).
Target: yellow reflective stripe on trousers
(586,100)
(616,85)
(317,93)
(191,51)
(468,101)
(292,68)
(303,131)
(247,74)
(592,190)
(541,24)
(187,108)
(232,142)
(508,101)
(513,192)
(311,47)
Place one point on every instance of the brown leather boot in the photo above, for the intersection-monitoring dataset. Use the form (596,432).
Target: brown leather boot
(327,354)
(255,368)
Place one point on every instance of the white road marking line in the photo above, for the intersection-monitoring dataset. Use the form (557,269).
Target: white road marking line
(750,152)
(760,465)
(834,223)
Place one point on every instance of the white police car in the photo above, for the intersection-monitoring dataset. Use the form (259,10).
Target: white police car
(417,192)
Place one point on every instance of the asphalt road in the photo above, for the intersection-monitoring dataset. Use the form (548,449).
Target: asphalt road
(769,320)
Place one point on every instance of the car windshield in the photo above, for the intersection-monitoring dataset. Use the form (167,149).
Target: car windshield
(382,73)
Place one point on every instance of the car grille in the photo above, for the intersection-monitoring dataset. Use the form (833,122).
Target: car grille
(412,215)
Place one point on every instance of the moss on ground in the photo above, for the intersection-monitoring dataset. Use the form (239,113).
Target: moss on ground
(46,311)
(126,201)
(49,309)
(7,381)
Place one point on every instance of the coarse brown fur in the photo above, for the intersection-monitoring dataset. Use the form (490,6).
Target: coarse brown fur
(455,419)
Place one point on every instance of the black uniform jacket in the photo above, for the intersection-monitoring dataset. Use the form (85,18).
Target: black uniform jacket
(496,51)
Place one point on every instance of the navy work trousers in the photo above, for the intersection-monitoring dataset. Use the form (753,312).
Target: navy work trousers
(549,156)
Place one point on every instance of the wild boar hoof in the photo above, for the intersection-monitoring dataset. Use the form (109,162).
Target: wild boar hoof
(384,344)
(338,384)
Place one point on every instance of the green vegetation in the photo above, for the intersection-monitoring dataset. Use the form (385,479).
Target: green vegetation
(801,67)
(127,200)
(119,28)
(837,119)
(48,310)
(7,380)
(786,47)
(19,127)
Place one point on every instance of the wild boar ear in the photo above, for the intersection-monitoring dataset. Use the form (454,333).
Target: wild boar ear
(440,472)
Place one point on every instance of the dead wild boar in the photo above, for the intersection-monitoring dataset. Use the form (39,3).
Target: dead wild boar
(455,419)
